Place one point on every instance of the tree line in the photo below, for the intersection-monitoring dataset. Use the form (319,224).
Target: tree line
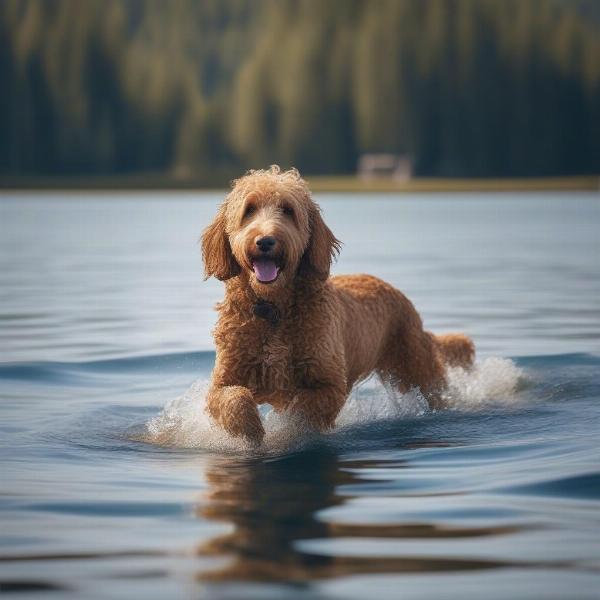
(197,89)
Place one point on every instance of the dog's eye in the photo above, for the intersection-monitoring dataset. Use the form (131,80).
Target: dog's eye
(288,211)
(250,210)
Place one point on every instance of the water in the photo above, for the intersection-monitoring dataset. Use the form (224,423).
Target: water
(114,484)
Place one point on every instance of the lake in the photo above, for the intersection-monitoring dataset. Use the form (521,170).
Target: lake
(105,351)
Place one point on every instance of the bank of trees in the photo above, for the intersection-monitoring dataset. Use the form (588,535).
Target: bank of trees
(467,87)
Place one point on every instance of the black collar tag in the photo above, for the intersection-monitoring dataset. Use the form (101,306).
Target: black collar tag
(267,311)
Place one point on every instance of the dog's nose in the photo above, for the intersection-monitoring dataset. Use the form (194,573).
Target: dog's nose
(265,244)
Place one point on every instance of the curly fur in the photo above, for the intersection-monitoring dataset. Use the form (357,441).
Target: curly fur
(332,331)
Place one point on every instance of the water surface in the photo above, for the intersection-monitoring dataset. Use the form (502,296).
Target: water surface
(114,483)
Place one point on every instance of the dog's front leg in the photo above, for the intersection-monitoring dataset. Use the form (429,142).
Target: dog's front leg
(320,405)
(234,408)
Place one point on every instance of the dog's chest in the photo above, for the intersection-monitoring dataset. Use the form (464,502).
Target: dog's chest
(271,362)
(265,357)
(270,365)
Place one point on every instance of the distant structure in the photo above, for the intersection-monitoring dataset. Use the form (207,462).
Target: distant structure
(389,166)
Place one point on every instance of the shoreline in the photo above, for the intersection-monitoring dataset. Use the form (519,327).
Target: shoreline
(318,183)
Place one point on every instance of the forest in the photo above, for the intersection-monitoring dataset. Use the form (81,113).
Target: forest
(466,88)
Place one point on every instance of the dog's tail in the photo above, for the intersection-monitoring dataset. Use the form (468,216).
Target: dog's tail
(457,349)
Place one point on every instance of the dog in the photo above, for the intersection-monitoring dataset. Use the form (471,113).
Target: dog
(290,335)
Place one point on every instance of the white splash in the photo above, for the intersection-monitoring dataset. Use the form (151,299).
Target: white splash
(184,422)
(493,382)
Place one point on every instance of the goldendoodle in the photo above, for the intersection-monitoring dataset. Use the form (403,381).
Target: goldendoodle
(290,335)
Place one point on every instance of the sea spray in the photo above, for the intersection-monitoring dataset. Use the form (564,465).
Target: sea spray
(184,422)
(492,382)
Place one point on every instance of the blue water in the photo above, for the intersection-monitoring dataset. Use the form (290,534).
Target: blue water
(114,484)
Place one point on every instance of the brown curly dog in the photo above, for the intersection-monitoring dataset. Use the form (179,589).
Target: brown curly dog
(290,335)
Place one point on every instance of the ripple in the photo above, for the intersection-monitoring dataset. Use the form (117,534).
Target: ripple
(77,373)
(585,487)
(111,509)
(8,586)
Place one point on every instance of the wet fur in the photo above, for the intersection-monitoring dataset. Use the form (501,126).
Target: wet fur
(332,332)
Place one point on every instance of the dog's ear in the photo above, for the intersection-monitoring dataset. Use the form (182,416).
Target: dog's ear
(322,248)
(216,250)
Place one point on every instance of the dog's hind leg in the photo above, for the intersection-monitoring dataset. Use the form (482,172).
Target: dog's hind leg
(412,357)
(417,363)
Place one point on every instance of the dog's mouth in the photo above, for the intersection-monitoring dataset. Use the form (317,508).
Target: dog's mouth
(266,269)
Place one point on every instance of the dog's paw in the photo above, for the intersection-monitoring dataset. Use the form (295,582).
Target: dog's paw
(239,417)
(253,430)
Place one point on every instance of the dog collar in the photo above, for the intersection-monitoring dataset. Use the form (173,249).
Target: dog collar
(267,311)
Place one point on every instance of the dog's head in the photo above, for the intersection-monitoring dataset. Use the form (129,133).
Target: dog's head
(269,228)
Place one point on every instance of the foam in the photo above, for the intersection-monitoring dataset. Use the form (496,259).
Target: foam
(492,382)
(184,423)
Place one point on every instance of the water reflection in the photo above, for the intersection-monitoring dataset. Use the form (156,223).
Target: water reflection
(270,504)
(273,504)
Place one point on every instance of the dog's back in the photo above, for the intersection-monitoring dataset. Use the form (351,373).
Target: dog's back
(384,333)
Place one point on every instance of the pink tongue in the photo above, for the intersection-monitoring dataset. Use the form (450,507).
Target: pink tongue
(265,270)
